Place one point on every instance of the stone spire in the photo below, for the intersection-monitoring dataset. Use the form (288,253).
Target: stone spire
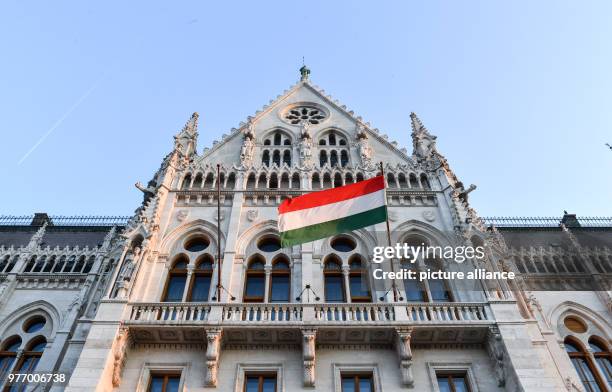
(423,142)
(185,141)
(304,72)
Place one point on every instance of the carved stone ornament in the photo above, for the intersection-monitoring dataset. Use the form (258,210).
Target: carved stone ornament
(213,340)
(215,216)
(308,356)
(429,216)
(252,215)
(392,215)
(404,353)
(119,355)
(496,353)
(181,215)
(246,152)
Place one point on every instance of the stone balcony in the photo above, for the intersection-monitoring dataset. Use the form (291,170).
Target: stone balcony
(338,322)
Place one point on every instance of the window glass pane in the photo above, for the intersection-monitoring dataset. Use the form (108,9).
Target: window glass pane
(201,287)
(365,384)
(269,384)
(348,384)
(252,384)
(357,288)
(438,290)
(255,286)
(176,286)
(459,384)
(414,290)
(444,384)
(157,384)
(173,384)
(5,365)
(333,289)
(280,288)
(606,368)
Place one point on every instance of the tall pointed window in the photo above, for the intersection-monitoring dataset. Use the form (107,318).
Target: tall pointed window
(334,280)
(358,284)
(30,357)
(584,366)
(603,358)
(343,158)
(200,281)
(322,158)
(280,281)
(8,354)
(265,158)
(287,158)
(415,292)
(177,278)
(333,158)
(276,158)
(255,283)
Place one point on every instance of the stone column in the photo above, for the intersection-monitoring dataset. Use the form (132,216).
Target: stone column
(267,283)
(347,286)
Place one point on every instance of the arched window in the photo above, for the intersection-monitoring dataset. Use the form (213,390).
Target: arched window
(255,282)
(322,158)
(273,181)
(401,179)
(415,292)
(358,284)
(337,180)
(250,181)
(322,142)
(8,354)
(333,280)
(89,264)
(287,157)
(425,182)
(31,356)
(439,290)
(231,181)
(201,279)
(348,178)
(391,181)
(277,139)
(343,158)
(327,181)
(359,177)
(342,142)
(197,183)
(333,158)
(177,278)
(316,181)
(332,139)
(276,159)
(267,142)
(60,264)
(287,142)
(284,184)
(265,158)
(263,181)
(414,183)
(603,358)
(30,266)
(280,280)
(78,267)
(49,266)
(187,182)
(295,181)
(69,264)
(584,366)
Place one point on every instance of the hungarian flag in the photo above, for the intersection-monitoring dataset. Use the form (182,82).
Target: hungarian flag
(325,213)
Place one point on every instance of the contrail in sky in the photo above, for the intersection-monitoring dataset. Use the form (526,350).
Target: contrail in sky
(59,122)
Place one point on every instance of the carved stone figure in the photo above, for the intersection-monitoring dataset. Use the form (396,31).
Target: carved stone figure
(308,356)
(404,352)
(246,153)
(213,339)
(305,146)
(119,353)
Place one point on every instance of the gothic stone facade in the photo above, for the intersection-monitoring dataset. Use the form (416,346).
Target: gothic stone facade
(122,305)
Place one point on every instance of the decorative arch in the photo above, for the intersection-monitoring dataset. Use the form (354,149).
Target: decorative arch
(37,307)
(412,227)
(198,226)
(270,132)
(256,230)
(556,315)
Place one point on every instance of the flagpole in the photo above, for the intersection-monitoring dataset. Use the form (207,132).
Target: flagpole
(218,233)
(382,173)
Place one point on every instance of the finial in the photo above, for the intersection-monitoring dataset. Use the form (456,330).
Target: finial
(304,71)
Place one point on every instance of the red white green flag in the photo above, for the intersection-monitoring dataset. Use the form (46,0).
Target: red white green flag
(325,213)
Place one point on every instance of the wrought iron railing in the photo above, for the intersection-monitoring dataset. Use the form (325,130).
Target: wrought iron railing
(505,221)
(61,220)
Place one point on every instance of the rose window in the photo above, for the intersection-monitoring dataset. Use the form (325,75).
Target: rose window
(309,114)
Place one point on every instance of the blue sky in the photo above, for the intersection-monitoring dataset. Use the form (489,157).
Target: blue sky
(519,93)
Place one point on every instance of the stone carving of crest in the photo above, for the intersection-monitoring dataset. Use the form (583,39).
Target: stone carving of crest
(252,215)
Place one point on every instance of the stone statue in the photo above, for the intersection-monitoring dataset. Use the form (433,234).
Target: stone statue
(246,153)
(424,143)
(305,145)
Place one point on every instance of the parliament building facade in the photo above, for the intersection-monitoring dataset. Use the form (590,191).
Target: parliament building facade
(135,304)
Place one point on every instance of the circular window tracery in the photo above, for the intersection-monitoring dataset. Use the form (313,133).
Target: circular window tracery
(575,324)
(310,114)
(269,244)
(343,244)
(197,244)
(34,324)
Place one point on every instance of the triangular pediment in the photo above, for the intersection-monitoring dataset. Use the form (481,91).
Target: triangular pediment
(303,102)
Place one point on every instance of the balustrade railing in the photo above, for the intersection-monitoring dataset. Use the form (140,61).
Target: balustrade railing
(327,313)
(161,312)
(262,312)
(354,312)
(447,312)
